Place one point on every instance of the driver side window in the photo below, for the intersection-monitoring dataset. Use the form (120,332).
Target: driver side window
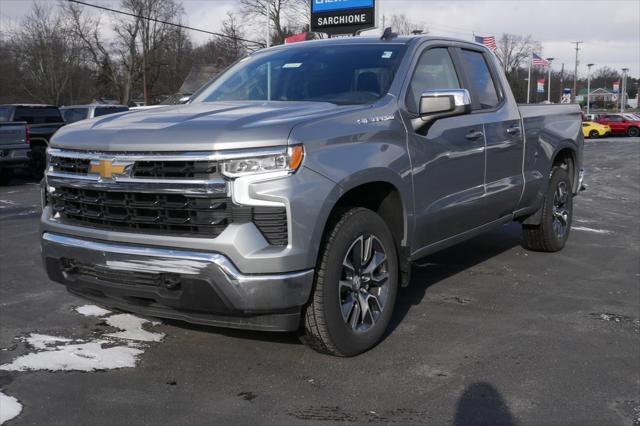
(434,71)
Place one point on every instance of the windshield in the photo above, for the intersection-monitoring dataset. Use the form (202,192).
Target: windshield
(347,74)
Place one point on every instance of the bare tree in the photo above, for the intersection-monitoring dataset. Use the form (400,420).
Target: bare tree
(514,50)
(232,48)
(401,24)
(46,54)
(286,16)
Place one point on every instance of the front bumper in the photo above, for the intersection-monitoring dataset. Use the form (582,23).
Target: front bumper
(197,287)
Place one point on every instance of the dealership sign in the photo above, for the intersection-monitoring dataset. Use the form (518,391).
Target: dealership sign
(342,16)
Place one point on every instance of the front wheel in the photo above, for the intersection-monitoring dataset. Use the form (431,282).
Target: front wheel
(557,212)
(355,286)
(593,134)
(633,132)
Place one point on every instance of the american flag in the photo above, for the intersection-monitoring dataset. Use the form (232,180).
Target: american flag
(489,42)
(539,62)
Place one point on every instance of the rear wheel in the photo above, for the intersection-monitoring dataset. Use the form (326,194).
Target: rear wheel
(593,134)
(355,286)
(557,212)
(5,175)
(633,132)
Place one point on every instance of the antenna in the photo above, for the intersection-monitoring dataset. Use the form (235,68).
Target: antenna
(388,34)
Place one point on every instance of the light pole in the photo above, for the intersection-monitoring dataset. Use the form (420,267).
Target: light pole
(624,88)
(549,91)
(589,86)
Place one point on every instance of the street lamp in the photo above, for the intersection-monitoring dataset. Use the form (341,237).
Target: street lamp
(589,86)
(624,88)
(549,91)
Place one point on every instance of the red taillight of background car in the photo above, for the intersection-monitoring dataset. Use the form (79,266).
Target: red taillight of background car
(27,135)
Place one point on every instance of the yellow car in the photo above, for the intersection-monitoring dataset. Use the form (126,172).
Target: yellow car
(591,129)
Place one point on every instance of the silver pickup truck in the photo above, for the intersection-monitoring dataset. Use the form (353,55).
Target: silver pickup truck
(14,149)
(294,191)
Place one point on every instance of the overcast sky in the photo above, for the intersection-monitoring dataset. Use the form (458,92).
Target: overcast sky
(610,29)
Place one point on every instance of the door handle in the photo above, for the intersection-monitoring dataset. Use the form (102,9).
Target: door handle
(474,134)
(513,130)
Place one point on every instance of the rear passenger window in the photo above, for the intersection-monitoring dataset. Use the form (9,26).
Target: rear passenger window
(37,115)
(483,91)
(434,71)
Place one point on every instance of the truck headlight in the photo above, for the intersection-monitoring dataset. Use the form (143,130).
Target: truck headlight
(288,160)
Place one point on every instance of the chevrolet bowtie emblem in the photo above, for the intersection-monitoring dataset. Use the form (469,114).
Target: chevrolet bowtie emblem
(106,169)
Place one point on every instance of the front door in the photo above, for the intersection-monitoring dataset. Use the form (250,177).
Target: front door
(447,157)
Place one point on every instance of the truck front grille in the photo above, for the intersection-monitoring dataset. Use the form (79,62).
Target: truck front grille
(156,169)
(175,214)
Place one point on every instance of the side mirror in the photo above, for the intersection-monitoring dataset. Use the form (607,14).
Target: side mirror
(435,104)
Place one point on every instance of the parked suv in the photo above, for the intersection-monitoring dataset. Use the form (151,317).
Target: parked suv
(294,192)
(74,113)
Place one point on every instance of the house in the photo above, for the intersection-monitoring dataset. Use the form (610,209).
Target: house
(598,97)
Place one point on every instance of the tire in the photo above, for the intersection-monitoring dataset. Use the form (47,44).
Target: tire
(557,213)
(38,160)
(333,320)
(5,175)
(593,134)
(633,132)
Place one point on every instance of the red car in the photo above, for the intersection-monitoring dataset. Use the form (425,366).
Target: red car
(621,124)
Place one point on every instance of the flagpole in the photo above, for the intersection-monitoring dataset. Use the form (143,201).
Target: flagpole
(529,79)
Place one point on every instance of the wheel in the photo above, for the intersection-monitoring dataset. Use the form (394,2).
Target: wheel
(557,212)
(5,175)
(355,286)
(633,132)
(38,160)
(593,134)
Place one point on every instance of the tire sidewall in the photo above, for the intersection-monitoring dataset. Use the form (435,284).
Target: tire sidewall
(559,175)
(347,341)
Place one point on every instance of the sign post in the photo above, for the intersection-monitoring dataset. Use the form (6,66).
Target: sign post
(335,17)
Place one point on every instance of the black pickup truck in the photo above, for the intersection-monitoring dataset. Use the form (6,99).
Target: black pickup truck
(42,122)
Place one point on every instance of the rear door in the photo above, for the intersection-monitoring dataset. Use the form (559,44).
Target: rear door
(447,156)
(616,123)
(504,142)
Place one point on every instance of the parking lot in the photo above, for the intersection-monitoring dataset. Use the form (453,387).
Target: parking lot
(486,327)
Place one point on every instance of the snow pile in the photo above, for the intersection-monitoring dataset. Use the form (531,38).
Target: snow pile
(92,311)
(90,356)
(105,351)
(9,408)
(132,328)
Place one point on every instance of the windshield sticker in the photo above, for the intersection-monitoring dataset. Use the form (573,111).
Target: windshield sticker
(387,54)
(292,65)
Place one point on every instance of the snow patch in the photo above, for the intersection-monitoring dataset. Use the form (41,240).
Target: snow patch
(584,228)
(9,408)
(91,311)
(42,341)
(104,352)
(90,356)
(132,328)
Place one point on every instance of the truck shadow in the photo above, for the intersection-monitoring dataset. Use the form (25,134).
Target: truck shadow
(482,404)
(439,266)
(427,272)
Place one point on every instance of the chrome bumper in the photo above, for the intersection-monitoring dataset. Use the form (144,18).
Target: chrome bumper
(239,293)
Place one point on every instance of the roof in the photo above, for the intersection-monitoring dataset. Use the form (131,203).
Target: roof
(31,105)
(93,105)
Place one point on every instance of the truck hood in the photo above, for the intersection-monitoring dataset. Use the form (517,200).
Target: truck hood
(194,127)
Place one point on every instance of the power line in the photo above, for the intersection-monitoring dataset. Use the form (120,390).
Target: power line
(167,23)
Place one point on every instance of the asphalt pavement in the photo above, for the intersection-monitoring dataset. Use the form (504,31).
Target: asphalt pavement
(487,333)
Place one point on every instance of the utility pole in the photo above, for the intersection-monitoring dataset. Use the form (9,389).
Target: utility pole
(589,86)
(549,90)
(624,89)
(575,72)
(268,35)
(561,82)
